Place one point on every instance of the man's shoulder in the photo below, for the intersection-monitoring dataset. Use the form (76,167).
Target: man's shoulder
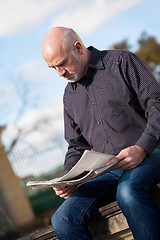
(67,88)
(116,52)
(109,52)
(116,56)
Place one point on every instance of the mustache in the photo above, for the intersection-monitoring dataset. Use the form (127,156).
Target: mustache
(66,75)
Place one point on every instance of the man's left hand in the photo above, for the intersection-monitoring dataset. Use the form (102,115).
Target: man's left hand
(128,158)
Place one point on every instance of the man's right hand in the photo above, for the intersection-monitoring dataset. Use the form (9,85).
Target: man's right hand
(65,192)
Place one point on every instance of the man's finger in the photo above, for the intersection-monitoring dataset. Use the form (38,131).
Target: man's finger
(113,160)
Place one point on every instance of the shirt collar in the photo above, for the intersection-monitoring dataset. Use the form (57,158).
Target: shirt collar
(94,63)
(96,58)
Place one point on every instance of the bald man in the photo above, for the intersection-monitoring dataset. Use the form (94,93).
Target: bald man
(69,58)
(111,105)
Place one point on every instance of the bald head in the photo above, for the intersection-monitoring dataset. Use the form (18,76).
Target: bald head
(52,41)
(64,51)
(58,39)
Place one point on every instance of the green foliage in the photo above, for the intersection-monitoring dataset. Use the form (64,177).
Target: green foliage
(149,52)
(43,201)
(149,49)
(122,45)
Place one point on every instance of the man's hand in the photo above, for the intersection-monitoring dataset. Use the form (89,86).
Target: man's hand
(65,192)
(128,158)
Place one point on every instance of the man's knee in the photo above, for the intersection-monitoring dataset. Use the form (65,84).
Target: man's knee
(56,221)
(66,214)
(126,193)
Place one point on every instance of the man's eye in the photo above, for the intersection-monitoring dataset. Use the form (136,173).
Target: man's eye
(51,67)
(62,64)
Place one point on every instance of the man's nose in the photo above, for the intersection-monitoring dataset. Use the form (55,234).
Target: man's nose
(61,71)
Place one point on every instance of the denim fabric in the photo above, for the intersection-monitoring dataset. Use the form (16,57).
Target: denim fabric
(131,189)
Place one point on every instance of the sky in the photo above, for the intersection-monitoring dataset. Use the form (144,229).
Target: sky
(28,88)
(26,83)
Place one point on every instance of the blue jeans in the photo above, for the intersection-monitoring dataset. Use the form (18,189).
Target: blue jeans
(130,188)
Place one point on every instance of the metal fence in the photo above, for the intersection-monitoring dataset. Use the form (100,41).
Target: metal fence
(40,158)
(36,159)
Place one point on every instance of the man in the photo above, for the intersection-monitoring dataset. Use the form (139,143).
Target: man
(111,105)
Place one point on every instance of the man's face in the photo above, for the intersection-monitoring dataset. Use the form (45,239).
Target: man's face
(69,65)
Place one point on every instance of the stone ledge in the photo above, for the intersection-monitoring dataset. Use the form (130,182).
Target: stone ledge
(110,223)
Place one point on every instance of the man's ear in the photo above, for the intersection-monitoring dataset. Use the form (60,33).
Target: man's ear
(78,47)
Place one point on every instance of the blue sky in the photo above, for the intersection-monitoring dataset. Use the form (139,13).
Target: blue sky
(25,79)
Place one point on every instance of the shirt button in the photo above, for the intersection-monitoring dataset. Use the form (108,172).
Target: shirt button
(106,141)
(93,103)
(99,122)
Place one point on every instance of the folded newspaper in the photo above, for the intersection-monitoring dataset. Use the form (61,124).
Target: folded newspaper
(91,165)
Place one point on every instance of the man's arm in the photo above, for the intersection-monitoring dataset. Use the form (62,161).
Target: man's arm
(144,84)
(77,144)
(147,90)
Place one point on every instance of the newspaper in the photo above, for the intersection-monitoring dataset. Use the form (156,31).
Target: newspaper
(91,165)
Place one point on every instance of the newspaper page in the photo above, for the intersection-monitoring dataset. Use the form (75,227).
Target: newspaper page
(91,165)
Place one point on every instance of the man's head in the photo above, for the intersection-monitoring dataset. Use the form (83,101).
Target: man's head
(64,51)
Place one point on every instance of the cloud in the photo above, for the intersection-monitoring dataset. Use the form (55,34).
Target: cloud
(31,71)
(5,93)
(85,16)
(20,15)
(37,123)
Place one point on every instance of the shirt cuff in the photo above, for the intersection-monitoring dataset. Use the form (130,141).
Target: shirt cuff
(147,142)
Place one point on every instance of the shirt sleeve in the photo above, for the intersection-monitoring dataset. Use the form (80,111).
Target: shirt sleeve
(148,92)
(77,144)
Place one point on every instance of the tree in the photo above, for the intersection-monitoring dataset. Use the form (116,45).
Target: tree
(149,52)
(122,45)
